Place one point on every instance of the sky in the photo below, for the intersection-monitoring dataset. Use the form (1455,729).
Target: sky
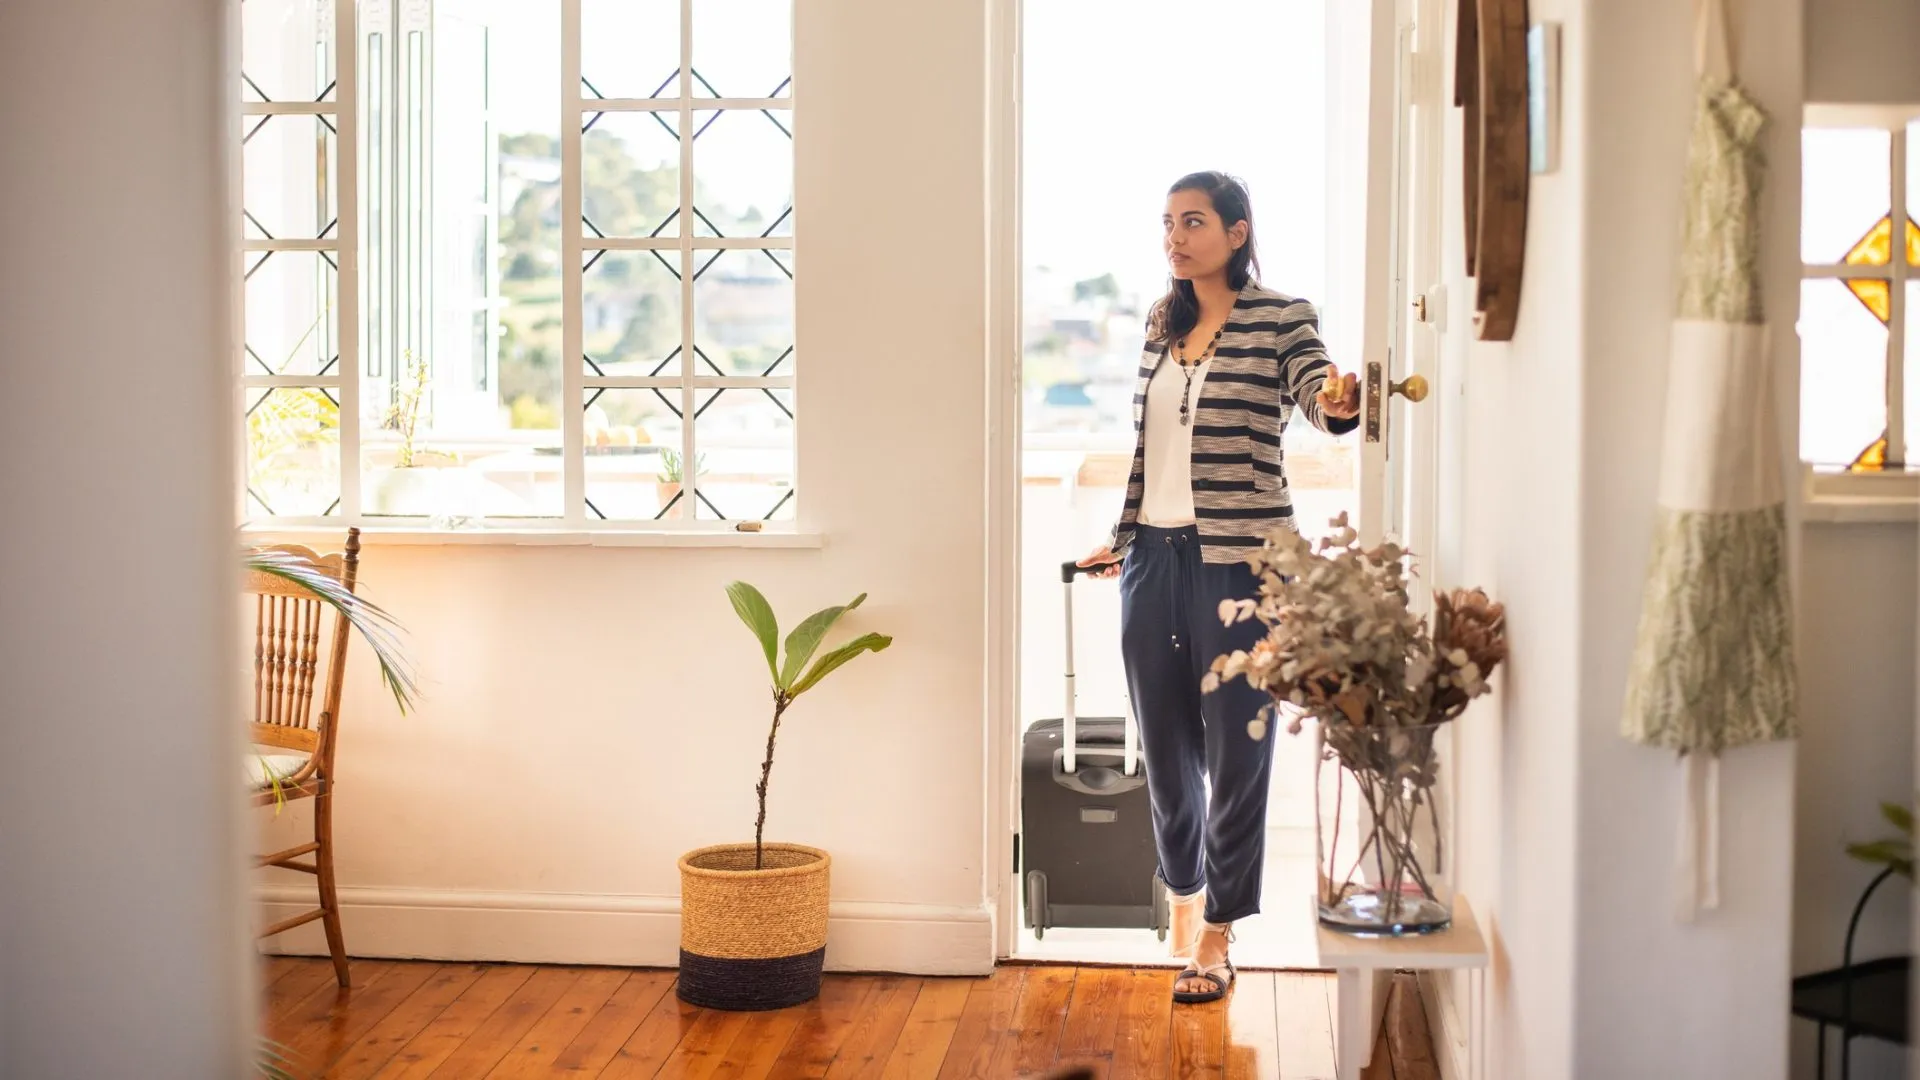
(1122,97)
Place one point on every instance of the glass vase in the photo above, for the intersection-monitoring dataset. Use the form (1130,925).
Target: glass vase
(1378,830)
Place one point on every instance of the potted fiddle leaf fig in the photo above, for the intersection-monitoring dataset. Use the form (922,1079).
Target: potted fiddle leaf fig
(753,917)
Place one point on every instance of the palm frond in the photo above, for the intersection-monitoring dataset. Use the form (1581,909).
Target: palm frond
(273,778)
(275,1061)
(381,631)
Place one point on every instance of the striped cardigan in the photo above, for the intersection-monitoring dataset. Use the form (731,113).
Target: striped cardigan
(1269,361)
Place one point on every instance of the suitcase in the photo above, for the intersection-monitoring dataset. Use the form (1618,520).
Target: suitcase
(1086,853)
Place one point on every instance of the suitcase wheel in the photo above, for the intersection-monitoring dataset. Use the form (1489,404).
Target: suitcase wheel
(1037,903)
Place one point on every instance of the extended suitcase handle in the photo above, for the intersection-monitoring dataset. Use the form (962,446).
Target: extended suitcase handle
(1095,779)
(1072,569)
(1131,759)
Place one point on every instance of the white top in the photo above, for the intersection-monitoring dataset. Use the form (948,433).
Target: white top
(1167,502)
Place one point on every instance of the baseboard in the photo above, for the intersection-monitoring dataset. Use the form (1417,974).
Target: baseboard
(625,931)
(1447,1024)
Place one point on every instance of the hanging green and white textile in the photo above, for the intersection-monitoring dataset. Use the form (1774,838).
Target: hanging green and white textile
(1713,662)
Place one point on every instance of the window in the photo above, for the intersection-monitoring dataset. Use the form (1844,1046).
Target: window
(518,263)
(1860,395)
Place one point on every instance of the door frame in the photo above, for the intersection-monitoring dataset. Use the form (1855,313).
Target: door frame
(1003,357)
(1382,332)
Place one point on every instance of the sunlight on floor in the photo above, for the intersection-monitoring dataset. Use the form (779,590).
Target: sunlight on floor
(1280,937)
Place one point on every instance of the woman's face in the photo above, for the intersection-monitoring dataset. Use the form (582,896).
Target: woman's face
(1197,242)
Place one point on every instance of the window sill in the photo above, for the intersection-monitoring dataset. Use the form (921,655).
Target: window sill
(1852,498)
(409,536)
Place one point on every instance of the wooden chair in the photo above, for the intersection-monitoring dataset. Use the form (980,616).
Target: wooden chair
(290,743)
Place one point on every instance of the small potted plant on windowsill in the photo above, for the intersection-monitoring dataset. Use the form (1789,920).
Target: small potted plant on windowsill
(418,480)
(753,917)
(671,478)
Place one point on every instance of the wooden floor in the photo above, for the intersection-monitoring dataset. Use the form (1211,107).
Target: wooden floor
(466,1021)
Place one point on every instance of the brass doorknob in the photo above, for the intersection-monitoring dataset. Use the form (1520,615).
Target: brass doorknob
(1413,388)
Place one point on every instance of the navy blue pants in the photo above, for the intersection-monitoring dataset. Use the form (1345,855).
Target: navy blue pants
(1207,776)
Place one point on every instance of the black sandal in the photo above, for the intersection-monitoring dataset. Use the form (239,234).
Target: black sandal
(1201,997)
(1211,974)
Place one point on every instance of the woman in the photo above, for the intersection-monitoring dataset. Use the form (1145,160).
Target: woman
(1227,363)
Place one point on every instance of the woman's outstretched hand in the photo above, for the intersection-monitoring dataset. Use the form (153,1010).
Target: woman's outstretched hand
(1105,559)
(1339,396)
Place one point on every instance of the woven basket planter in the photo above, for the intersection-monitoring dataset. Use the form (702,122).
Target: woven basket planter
(752,939)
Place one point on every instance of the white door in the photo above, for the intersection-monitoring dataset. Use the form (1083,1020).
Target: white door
(1384,123)
(1384,239)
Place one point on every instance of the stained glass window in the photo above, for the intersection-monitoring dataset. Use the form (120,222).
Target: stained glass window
(1854,302)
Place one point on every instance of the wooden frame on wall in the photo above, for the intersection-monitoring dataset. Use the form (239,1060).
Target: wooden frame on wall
(1490,86)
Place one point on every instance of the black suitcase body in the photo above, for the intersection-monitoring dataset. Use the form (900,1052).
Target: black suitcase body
(1087,856)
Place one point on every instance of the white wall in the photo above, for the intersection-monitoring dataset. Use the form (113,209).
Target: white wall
(1655,997)
(592,713)
(1857,629)
(1517,408)
(122,931)
(1568,831)
(1857,609)
(1862,51)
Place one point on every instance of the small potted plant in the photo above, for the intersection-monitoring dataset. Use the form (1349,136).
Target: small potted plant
(416,482)
(671,478)
(753,917)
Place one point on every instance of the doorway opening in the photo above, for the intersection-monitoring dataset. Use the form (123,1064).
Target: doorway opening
(1119,99)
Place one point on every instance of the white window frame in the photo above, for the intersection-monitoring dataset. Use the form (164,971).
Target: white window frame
(575,243)
(576,524)
(343,382)
(1893,495)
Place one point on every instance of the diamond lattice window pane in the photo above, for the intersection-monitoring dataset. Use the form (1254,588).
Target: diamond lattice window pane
(286,50)
(743,314)
(745,436)
(293,452)
(629,48)
(290,298)
(1846,181)
(630,313)
(1875,248)
(287,173)
(742,174)
(1843,370)
(742,48)
(630,174)
(633,441)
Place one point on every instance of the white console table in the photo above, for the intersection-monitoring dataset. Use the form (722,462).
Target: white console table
(1365,965)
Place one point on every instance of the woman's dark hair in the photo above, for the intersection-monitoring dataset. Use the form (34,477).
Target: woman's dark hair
(1177,312)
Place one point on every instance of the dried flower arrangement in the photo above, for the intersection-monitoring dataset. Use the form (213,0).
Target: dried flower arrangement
(1344,647)
(1342,644)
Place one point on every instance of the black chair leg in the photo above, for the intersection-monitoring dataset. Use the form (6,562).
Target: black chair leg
(1820,1069)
